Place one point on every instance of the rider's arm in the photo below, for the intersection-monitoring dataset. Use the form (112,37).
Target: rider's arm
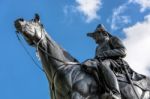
(117,49)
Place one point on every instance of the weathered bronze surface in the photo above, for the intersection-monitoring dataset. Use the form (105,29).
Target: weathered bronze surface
(99,78)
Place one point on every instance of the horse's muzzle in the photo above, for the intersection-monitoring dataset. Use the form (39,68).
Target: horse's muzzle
(18,25)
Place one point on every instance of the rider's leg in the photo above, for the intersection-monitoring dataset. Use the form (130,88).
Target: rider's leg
(109,77)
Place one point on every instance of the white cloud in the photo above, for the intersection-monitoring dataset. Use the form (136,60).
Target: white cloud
(137,43)
(68,9)
(118,19)
(145,4)
(88,8)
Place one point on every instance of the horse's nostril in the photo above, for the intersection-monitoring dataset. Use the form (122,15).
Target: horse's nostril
(21,19)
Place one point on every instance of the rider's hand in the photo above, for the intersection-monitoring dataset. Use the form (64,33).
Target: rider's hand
(100,57)
(90,63)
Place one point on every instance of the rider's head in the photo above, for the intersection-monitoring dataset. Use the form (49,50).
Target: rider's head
(100,34)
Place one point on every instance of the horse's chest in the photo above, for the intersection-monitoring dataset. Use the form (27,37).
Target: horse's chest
(75,84)
(86,87)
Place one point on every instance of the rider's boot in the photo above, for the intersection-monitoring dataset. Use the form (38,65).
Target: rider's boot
(110,80)
(110,96)
(116,96)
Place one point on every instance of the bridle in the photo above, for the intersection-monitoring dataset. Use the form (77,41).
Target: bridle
(38,47)
(43,50)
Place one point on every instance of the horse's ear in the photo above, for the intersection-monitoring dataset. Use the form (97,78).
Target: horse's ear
(37,17)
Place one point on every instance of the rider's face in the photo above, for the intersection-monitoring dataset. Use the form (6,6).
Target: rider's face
(99,37)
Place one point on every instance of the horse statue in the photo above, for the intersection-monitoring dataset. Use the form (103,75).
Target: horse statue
(67,79)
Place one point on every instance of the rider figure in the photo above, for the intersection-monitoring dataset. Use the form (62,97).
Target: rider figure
(109,53)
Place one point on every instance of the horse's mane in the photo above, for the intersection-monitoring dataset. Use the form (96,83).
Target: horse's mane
(69,56)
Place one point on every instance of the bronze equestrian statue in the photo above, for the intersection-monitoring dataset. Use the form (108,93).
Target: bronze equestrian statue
(69,79)
(109,57)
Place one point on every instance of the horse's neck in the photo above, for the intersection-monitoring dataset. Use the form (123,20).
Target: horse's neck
(50,64)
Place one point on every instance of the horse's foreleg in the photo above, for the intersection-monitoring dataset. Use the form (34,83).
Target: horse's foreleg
(145,95)
(76,95)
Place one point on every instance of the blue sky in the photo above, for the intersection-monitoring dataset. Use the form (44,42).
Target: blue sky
(68,21)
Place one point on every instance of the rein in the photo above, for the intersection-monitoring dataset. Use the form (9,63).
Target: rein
(28,53)
(54,58)
(38,47)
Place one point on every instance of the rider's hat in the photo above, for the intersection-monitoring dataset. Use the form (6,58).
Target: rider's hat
(99,29)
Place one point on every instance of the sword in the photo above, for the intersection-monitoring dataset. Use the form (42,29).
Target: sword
(130,81)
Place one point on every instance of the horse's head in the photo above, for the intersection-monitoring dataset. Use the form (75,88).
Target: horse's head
(32,30)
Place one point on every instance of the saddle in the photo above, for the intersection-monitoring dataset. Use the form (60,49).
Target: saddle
(143,82)
(139,80)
